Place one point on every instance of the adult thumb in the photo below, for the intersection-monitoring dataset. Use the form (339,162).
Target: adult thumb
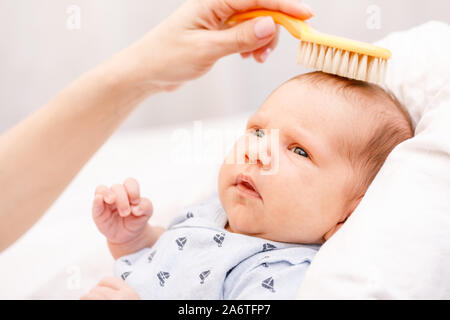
(246,36)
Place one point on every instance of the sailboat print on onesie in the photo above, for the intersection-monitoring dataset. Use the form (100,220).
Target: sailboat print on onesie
(219,237)
(203,276)
(163,276)
(268,284)
(181,242)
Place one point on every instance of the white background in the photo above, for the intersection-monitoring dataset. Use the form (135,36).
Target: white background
(39,56)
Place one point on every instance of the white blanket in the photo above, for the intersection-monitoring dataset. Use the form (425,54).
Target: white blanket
(64,255)
(396,245)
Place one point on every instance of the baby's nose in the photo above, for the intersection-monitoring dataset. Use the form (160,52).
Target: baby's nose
(258,162)
(258,152)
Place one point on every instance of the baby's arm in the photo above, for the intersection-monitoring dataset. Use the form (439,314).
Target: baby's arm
(121,215)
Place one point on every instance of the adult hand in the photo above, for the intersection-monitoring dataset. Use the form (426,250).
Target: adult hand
(188,43)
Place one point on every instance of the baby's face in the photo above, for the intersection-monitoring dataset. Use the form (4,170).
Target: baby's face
(300,190)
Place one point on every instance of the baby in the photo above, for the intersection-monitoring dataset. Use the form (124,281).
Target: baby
(274,209)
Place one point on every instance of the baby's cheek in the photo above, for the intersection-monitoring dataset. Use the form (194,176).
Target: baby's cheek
(224,179)
(221,177)
(237,154)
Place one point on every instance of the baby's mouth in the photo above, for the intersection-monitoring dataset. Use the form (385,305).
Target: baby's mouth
(246,185)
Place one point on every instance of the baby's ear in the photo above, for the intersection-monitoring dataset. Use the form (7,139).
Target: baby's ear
(332,231)
(352,206)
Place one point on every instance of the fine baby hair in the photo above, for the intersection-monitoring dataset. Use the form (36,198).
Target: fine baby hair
(391,123)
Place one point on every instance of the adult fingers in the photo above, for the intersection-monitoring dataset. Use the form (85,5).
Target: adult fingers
(132,188)
(262,53)
(122,202)
(226,8)
(246,36)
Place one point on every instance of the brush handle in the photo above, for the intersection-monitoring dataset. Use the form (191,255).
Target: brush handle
(295,26)
(300,30)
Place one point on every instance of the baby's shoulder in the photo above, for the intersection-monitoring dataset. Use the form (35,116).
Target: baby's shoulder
(276,256)
(278,269)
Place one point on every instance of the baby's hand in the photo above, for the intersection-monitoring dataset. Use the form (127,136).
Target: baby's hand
(120,213)
(111,289)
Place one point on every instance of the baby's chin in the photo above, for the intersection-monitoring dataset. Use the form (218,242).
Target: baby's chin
(244,213)
(243,219)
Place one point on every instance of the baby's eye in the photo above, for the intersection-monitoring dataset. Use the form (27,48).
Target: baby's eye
(259,133)
(300,152)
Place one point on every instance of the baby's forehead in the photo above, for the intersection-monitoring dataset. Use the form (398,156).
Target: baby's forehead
(300,103)
(335,111)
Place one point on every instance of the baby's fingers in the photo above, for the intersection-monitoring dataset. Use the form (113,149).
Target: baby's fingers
(132,188)
(98,207)
(261,54)
(108,196)
(112,282)
(144,208)
(101,293)
(122,202)
(92,295)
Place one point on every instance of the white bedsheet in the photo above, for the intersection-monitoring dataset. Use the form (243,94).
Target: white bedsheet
(63,255)
(396,244)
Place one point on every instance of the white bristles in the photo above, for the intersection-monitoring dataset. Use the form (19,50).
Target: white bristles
(342,62)
(382,71)
(352,66)
(336,61)
(328,60)
(321,57)
(308,53)
(300,53)
(372,71)
(362,69)
(342,70)
(314,56)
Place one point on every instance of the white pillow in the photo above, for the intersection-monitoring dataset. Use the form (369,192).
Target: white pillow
(396,245)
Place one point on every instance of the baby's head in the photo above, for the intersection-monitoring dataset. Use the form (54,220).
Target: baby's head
(333,136)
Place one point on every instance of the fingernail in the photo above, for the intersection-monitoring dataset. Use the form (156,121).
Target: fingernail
(264,27)
(265,54)
(136,210)
(126,212)
(308,9)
